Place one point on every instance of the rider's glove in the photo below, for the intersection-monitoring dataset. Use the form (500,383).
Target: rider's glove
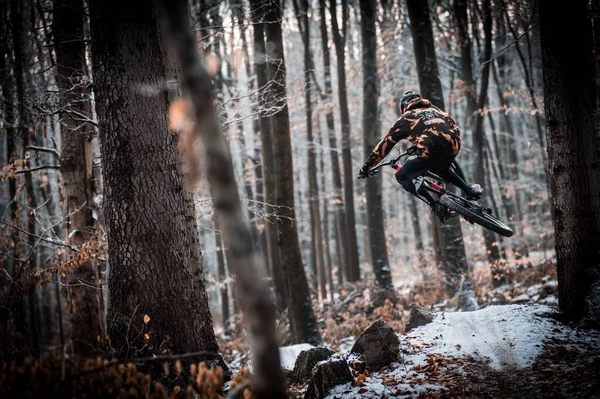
(364,172)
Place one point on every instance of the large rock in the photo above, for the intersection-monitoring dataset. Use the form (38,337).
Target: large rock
(327,374)
(306,361)
(379,345)
(419,316)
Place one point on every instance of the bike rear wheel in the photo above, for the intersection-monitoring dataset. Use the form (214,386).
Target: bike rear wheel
(475,214)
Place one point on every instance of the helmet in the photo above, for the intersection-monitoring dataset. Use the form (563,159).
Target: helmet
(406,98)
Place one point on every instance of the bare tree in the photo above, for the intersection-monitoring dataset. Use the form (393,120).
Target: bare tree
(375,212)
(339,39)
(268,156)
(317,258)
(302,317)
(87,314)
(451,243)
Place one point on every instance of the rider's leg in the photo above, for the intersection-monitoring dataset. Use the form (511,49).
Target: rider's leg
(414,167)
(448,174)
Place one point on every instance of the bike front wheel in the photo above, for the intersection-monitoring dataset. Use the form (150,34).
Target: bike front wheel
(475,214)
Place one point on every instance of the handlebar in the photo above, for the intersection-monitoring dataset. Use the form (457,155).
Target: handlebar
(393,163)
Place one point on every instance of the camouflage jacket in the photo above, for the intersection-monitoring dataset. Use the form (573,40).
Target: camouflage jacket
(430,129)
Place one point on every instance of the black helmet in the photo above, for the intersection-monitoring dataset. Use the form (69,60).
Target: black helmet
(406,97)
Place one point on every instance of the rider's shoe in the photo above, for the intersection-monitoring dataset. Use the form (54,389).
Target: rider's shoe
(475,192)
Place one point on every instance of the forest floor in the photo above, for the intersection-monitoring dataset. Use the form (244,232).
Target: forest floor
(515,346)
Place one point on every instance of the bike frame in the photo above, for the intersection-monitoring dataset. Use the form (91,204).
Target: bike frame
(427,184)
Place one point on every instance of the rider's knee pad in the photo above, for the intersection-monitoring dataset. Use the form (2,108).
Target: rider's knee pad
(405,182)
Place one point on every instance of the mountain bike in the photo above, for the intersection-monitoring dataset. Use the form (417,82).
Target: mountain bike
(470,210)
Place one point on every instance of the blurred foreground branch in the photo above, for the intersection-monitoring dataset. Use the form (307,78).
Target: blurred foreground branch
(246,265)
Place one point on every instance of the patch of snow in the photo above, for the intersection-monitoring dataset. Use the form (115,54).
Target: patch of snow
(289,354)
(508,335)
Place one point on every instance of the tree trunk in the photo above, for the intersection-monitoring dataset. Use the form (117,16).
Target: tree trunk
(326,240)
(338,199)
(221,274)
(573,154)
(476,104)
(302,317)
(87,310)
(339,39)
(451,244)
(28,316)
(375,212)
(268,157)
(158,298)
(301,10)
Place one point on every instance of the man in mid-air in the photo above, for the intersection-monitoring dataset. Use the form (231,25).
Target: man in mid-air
(436,139)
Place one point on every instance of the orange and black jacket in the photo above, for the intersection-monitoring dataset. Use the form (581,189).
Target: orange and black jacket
(430,129)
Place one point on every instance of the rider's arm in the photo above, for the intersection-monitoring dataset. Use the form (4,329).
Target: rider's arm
(397,132)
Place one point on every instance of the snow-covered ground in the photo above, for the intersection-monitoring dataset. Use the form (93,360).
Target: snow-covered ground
(509,337)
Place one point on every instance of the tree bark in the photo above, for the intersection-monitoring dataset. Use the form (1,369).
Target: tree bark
(573,154)
(158,298)
(302,316)
(375,212)
(451,244)
(339,39)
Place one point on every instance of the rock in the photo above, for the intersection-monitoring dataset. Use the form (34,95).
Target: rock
(327,374)
(379,345)
(419,316)
(306,361)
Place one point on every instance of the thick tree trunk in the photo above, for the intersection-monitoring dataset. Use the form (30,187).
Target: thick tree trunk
(451,244)
(87,312)
(375,212)
(302,316)
(268,157)
(573,154)
(339,39)
(158,298)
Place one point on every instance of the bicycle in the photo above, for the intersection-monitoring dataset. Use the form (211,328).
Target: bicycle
(470,210)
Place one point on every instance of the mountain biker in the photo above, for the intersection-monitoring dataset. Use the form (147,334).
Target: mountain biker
(436,139)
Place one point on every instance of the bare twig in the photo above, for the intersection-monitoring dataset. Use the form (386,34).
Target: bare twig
(43,149)
(37,168)
(150,359)
(497,53)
